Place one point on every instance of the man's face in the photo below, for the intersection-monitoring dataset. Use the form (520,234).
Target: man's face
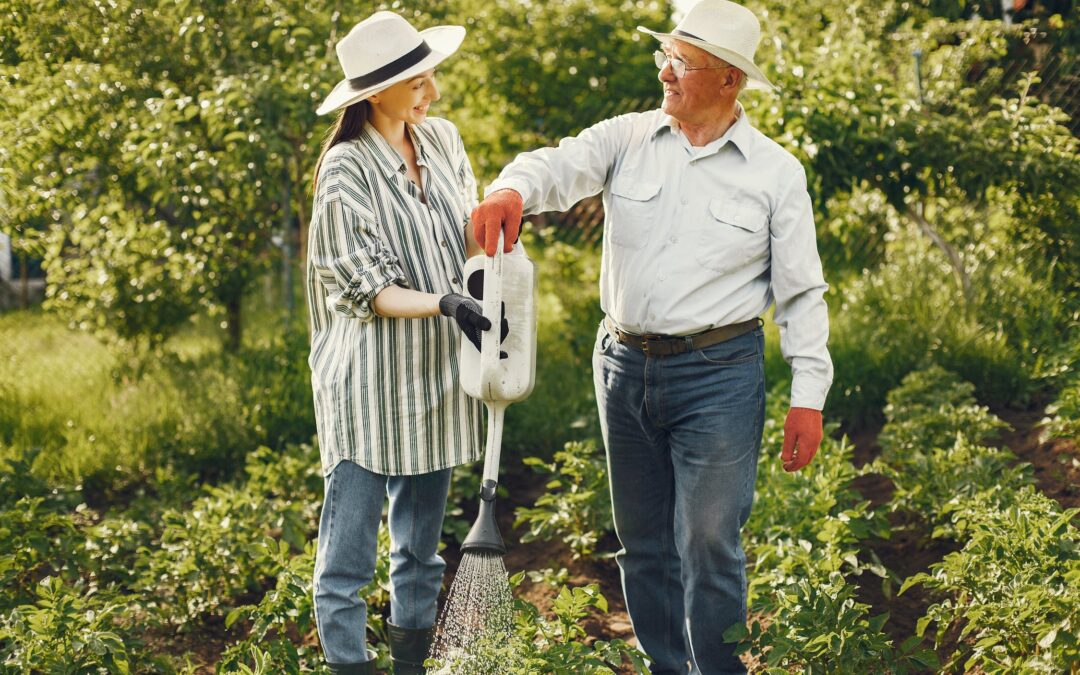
(704,89)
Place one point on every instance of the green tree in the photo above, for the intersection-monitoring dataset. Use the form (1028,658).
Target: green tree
(159,144)
(955,134)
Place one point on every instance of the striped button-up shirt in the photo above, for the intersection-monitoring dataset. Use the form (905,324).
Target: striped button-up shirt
(387,391)
(694,237)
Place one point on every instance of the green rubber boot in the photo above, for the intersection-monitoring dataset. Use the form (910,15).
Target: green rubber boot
(363,668)
(409,648)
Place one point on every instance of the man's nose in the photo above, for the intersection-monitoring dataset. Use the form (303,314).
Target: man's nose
(666,73)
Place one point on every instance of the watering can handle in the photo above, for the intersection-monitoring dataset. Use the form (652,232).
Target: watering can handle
(489,339)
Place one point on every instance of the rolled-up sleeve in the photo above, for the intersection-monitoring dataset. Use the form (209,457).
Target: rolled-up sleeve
(798,286)
(352,260)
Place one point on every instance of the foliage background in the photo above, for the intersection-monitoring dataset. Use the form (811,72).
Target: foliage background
(159,486)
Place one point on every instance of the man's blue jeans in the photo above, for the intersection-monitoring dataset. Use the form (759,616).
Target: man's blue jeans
(682,435)
(348,545)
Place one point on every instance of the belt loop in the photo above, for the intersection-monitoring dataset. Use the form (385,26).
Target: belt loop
(689,343)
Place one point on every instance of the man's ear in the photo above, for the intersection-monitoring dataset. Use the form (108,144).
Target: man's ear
(732,77)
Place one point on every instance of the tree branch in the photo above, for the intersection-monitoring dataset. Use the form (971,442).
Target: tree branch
(950,252)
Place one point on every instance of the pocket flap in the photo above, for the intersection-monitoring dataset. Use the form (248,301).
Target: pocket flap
(638,190)
(749,217)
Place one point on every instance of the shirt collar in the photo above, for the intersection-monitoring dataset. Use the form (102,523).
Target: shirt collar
(388,159)
(739,134)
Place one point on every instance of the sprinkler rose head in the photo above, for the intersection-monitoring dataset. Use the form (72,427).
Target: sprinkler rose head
(484,535)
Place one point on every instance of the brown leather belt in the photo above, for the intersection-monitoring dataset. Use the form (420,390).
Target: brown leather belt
(654,344)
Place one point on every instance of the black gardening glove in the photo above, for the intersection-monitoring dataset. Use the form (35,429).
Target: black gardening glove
(468,315)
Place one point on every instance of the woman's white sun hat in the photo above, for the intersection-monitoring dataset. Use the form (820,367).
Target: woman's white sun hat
(385,49)
(725,29)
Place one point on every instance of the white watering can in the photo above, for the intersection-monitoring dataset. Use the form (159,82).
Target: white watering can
(509,280)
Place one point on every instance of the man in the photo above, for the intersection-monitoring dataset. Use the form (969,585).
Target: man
(707,222)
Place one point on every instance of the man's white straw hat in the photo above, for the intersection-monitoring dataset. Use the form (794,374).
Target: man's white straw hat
(725,29)
(385,49)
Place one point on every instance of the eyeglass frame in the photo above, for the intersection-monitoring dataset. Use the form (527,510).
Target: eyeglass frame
(661,59)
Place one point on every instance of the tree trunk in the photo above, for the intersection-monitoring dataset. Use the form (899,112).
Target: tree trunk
(950,253)
(301,214)
(232,317)
(287,249)
(24,281)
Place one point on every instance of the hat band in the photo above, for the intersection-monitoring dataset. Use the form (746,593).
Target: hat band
(685,34)
(391,69)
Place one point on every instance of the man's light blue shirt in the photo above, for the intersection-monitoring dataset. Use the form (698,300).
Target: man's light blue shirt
(694,237)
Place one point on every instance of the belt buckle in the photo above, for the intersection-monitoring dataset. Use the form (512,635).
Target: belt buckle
(645,337)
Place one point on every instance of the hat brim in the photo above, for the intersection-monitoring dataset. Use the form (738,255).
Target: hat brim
(443,40)
(755,78)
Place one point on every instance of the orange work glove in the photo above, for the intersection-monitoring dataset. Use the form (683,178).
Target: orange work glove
(802,437)
(500,211)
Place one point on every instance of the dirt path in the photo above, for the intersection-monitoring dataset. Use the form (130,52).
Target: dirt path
(1056,461)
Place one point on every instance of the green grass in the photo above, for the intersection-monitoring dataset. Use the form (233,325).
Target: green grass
(107,421)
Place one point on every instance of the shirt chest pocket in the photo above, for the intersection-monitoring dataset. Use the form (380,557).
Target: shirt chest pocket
(634,209)
(734,234)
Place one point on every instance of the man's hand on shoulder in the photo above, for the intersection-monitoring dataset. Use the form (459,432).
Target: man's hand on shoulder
(500,211)
(802,437)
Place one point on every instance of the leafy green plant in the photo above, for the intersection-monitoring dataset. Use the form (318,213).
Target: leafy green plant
(209,555)
(68,629)
(932,448)
(35,542)
(111,550)
(817,626)
(285,611)
(1063,415)
(279,638)
(928,410)
(928,480)
(576,504)
(1013,590)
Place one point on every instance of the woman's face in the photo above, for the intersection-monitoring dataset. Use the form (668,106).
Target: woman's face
(408,101)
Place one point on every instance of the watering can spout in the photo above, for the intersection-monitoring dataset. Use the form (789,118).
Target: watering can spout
(484,535)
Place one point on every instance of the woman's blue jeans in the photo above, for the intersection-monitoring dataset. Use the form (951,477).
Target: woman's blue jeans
(682,435)
(348,546)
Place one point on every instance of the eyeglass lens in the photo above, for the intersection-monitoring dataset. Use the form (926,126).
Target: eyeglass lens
(677,65)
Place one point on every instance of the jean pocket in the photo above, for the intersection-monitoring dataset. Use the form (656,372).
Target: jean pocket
(603,339)
(736,351)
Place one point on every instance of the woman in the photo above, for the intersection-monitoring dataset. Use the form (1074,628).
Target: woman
(387,245)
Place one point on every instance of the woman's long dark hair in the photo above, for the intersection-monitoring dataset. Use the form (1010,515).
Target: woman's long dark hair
(348,125)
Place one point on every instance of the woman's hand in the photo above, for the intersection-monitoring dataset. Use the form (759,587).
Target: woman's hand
(468,315)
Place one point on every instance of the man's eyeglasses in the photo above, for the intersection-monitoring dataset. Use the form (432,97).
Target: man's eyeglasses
(678,66)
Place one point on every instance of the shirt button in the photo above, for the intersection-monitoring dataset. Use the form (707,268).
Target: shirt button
(685,201)
(442,243)
(674,240)
(455,281)
(662,277)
